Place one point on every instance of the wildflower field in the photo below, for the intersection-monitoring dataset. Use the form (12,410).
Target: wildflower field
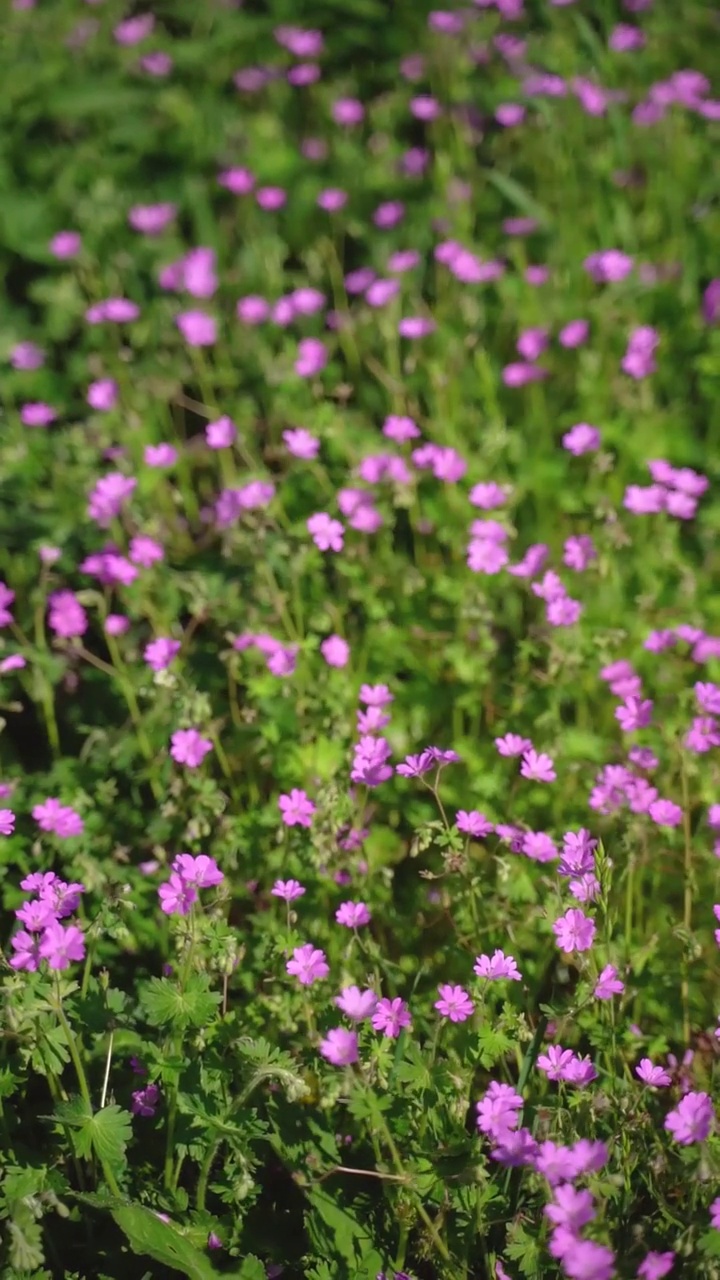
(360,640)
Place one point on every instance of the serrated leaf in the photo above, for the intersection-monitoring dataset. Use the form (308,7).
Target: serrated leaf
(25,1252)
(50,1054)
(493,1044)
(106,1132)
(252,1269)
(164,1004)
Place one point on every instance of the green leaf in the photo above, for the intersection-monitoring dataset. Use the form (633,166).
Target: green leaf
(517,195)
(50,1054)
(493,1044)
(335,1232)
(149,1235)
(710,1244)
(25,1251)
(523,1249)
(106,1132)
(165,1004)
(252,1269)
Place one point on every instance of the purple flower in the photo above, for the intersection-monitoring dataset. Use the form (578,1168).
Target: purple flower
(61,819)
(656,1265)
(378,695)
(157,64)
(252,309)
(391,1016)
(160,652)
(636,713)
(113,310)
(370,761)
(37,414)
(574,931)
(61,945)
(177,895)
(145,551)
(555,1062)
(507,115)
(102,395)
(416,327)
(133,30)
(288,890)
(13,662)
(537,766)
(26,947)
(326,533)
(639,361)
(519,374)
(144,1101)
(587,1260)
(296,808)
(473,823)
(554,1162)
(665,813)
(588,1157)
(187,746)
(692,1119)
(580,1071)
(352,914)
(311,358)
(579,552)
(27,356)
(301,444)
(497,966)
(308,964)
(485,555)
(340,1047)
(539,846)
(347,111)
(574,334)
(515,1149)
(356,1004)
(608,984)
(108,497)
(512,745)
(454,1003)
(415,766)
(711,302)
(66,616)
(608,266)
(160,455)
(532,342)
(197,328)
(581,438)
(151,219)
(201,871)
(65,244)
(498,1110)
(332,199)
(335,651)
(221,433)
(570,1208)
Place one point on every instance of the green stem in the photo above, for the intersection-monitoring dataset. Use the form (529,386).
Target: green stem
(205,1169)
(121,674)
(381,1125)
(687,903)
(82,1081)
(176,1045)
